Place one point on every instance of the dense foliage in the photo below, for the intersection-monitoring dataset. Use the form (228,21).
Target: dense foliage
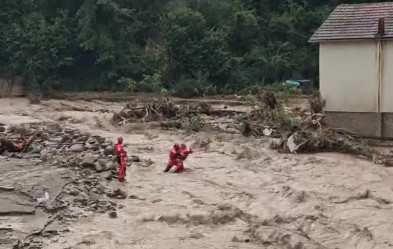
(189,47)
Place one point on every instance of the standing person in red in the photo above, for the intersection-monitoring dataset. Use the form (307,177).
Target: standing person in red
(121,159)
(173,158)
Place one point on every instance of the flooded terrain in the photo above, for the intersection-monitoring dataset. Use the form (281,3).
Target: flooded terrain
(235,193)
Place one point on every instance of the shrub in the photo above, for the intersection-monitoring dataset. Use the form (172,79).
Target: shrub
(194,123)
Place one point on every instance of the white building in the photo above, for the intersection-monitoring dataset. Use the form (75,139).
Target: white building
(356,68)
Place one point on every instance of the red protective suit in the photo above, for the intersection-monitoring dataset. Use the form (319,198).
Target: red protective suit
(174,159)
(177,157)
(184,152)
(121,159)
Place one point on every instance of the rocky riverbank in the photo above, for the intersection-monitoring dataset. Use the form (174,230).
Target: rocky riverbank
(60,177)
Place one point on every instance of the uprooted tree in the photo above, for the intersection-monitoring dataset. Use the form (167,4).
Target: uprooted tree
(166,113)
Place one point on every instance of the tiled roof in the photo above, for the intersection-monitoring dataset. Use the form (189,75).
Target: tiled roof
(356,21)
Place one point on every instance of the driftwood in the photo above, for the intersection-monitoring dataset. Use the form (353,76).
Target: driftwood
(156,110)
(18,145)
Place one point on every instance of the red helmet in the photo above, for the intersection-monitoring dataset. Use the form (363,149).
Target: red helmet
(120,140)
(176,146)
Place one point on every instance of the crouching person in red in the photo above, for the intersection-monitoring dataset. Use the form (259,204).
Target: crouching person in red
(184,152)
(121,159)
(176,158)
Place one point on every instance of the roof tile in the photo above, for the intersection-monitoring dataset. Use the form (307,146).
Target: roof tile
(356,21)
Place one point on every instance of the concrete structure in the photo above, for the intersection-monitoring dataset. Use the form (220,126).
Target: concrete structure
(356,68)
(11,86)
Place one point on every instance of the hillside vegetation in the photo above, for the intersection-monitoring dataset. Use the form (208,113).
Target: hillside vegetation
(188,47)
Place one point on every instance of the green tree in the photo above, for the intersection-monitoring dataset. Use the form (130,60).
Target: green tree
(39,49)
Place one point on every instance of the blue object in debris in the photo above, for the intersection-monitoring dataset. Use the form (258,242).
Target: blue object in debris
(304,85)
(292,82)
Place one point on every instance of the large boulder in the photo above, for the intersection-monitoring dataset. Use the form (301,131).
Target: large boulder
(109,150)
(92,147)
(77,148)
(89,160)
(99,167)
(108,176)
(110,166)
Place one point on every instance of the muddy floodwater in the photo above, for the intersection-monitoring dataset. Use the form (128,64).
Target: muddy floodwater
(235,193)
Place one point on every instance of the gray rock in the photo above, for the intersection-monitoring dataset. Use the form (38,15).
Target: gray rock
(100,189)
(28,156)
(135,159)
(84,189)
(9,208)
(82,139)
(5,153)
(99,139)
(93,147)
(77,148)
(65,139)
(7,188)
(108,176)
(83,198)
(106,144)
(94,196)
(44,154)
(19,156)
(36,149)
(110,166)
(95,190)
(98,167)
(2,129)
(92,140)
(57,160)
(74,192)
(113,215)
(72,162)
(109,150)
(89,160)
(102,162)
(53,128)
(118,193)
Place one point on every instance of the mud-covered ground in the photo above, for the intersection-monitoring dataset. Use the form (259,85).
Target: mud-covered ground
(236,193)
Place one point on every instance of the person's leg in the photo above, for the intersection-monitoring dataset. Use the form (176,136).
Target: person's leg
(169,166)
(122,170)
(179,166)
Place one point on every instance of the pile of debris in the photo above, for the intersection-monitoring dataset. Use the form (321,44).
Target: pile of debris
(268,117)
(326,140)
(158,110)
(301,132)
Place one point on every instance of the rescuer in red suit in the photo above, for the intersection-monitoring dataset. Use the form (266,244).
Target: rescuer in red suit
(184,152)
(177,157)
(173,157)
(121,159)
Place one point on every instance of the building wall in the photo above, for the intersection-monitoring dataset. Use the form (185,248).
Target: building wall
(368,124)
(349,76)
(356,80)
(387,76)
